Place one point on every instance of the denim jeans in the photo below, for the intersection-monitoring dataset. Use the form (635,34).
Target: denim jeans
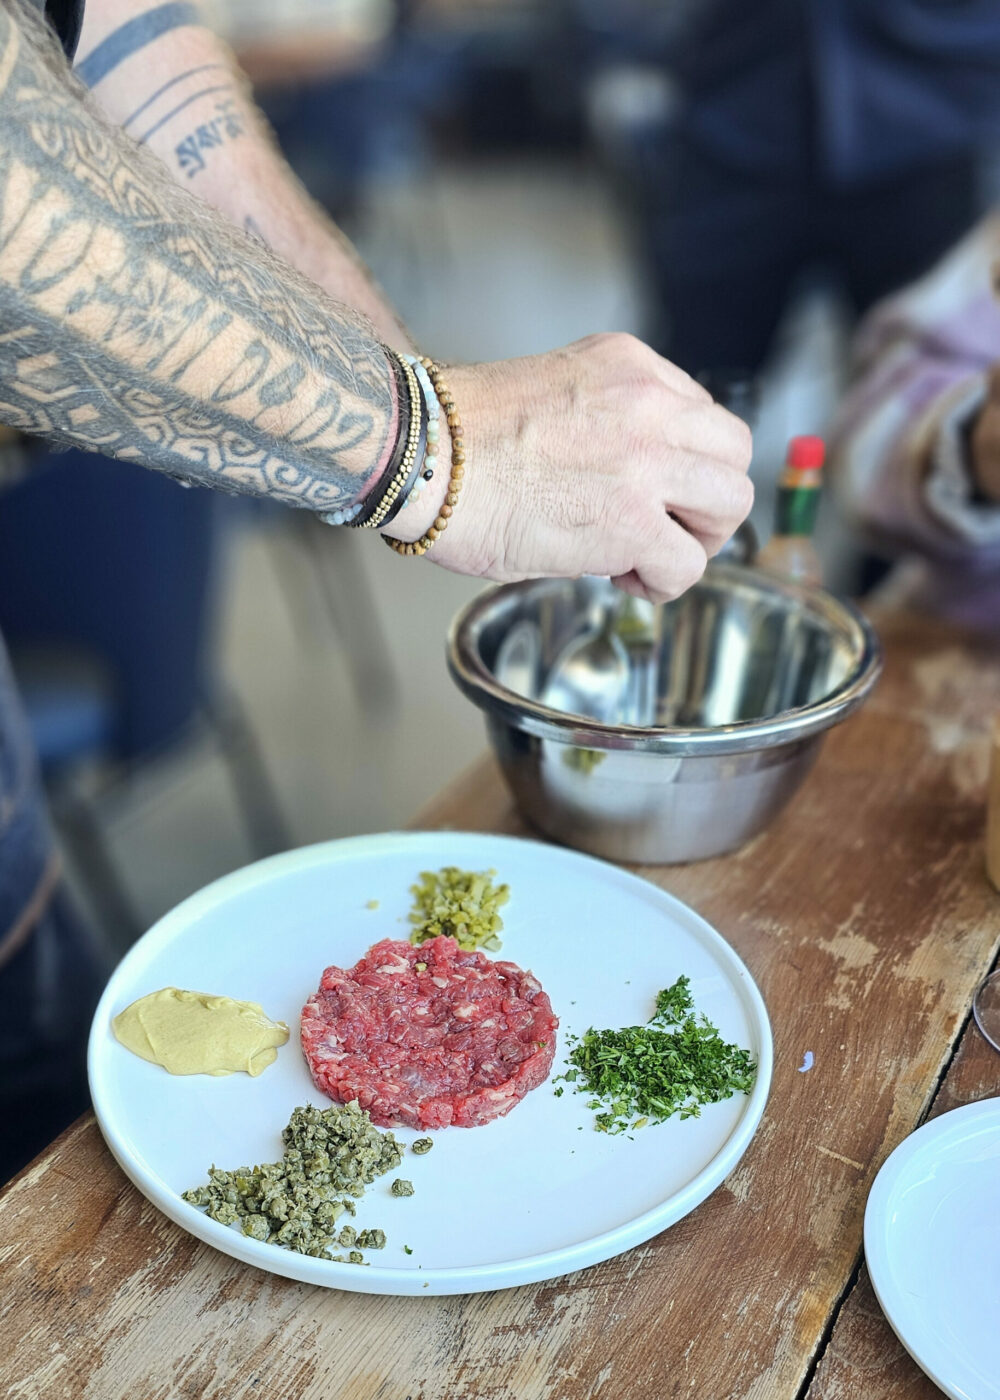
(51,974)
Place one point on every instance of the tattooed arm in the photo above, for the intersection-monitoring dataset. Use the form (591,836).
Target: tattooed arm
(136,322)
(174,86)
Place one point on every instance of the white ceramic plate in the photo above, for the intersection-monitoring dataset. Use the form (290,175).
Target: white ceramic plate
(932,1245)
(530,1196)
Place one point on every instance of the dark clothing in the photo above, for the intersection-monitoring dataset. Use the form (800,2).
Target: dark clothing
(48,992)
(728,247)
(66,18)
(851,89)
(51,974)
(839,136)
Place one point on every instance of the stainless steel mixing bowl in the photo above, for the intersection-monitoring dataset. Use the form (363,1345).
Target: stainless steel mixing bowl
(729,692)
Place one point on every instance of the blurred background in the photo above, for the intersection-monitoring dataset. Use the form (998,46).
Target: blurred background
(210,680)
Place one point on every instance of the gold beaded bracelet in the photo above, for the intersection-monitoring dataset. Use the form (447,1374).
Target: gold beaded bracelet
(412,444)
(421,546)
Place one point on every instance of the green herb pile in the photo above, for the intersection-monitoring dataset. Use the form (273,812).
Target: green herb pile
(458,903)
(330,1156)
(675,1063)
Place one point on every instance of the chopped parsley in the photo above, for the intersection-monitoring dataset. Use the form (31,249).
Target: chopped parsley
(407,1249)
(675,1063)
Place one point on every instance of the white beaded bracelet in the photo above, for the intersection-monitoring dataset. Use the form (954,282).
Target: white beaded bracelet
(343,516)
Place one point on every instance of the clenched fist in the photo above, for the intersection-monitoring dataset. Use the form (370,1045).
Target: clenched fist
(602,458)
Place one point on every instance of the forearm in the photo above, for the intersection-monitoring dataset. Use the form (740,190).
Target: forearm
(174,86)
(135,322)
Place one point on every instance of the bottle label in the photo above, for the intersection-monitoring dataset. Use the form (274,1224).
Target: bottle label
(795,510)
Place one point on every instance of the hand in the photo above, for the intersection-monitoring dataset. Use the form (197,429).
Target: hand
(601,458)
(984,441)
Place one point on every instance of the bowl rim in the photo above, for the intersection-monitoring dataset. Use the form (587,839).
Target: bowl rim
(479,684)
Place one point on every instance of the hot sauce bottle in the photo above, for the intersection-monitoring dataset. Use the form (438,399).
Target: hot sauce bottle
(790,552)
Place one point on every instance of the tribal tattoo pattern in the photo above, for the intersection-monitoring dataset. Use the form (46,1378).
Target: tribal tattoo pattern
(137,323)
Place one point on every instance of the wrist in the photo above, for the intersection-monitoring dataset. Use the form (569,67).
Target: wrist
(433,483)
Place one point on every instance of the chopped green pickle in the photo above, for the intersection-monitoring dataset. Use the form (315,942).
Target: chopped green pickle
(422,1145)
(330,1156)
(401,1188)
(583,760)
(676,1063)
(459,903)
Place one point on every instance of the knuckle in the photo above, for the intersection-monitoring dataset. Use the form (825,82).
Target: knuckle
(607,341)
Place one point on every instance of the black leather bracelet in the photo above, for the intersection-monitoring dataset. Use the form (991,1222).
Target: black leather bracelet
(403,409)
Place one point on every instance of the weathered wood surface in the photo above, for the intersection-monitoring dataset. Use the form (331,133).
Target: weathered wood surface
(864,1357)
(867,922)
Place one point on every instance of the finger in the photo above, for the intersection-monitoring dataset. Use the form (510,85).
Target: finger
(670,562)
(631,583)
(706,499)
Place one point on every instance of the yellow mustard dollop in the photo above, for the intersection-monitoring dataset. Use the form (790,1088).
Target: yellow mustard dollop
(194,1033)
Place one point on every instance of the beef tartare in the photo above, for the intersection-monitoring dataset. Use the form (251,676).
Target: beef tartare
(429,1036)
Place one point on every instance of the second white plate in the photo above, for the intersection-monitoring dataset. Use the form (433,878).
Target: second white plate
(528,1197)
(932,1246)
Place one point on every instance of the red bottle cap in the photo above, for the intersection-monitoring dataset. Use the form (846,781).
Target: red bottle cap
(806,453)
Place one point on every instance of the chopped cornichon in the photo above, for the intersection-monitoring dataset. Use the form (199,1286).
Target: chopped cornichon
(401,1188)
(422,1145)
(330,1155)
(675,1063)
(459,903)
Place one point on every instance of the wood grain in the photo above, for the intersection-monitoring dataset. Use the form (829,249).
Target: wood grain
(865,916)
(864,1357)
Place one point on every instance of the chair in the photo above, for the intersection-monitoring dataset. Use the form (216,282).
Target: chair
(106,602)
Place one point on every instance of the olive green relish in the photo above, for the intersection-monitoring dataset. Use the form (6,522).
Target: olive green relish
(675,1063)
(461,904)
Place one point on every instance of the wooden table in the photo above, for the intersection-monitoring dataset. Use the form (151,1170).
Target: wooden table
(866,919)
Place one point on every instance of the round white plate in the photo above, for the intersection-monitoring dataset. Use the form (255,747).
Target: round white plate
(932,1246)
(527,1197)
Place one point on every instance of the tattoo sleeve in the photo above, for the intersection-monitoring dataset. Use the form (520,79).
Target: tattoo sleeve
(136,322)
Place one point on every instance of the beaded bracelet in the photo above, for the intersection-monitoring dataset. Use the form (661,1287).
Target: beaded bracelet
(391,500)
(443,393)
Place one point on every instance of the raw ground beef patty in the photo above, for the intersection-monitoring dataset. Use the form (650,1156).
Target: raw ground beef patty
(430,1035)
